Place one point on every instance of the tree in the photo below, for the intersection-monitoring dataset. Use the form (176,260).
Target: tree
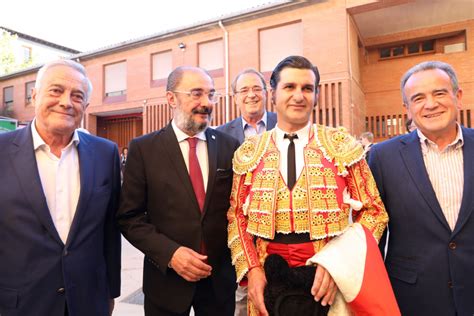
(8,60)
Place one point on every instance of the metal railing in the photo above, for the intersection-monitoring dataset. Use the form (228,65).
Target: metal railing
(329,111)
(388,125)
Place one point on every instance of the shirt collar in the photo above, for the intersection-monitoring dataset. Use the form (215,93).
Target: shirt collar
(182,136)
(263,121)
(303,134)
(38,141)
(457,143)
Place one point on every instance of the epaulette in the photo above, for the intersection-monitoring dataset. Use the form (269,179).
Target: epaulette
(339,146)
(249,154)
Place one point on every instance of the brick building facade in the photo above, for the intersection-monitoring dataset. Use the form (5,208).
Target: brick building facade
(361,47)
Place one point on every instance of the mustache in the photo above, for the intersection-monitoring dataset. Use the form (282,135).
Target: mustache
(202,110)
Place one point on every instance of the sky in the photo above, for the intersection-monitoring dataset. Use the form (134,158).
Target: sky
(91,24)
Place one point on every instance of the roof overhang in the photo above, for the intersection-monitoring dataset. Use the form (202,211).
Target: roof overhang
(384,17)
(236,17)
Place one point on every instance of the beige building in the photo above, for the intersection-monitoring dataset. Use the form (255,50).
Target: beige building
(361,47)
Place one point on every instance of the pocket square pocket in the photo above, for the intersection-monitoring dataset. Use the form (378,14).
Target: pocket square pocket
(8,298)
(224,172)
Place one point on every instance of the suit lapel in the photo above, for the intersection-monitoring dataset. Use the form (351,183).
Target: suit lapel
(412,156)
(466,204)
(212,158)
(24,161)
(271,120)
(175,157)
(86,170)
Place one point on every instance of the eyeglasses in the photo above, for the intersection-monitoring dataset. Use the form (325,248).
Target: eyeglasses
(246,91)
(196,95)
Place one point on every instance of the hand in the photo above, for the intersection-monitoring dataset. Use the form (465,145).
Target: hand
(256,285)
(190,265)
(323,286)
(111,306)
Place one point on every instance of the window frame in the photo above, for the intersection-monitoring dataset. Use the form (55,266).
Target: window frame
(159,82)
(11,102)
(114,96)
(217,72)
(28,99)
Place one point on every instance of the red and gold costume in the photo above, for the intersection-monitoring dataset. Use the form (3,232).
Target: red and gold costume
(262,204)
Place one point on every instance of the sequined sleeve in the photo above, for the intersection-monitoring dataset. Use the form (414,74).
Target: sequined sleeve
(363,188)
(244,255)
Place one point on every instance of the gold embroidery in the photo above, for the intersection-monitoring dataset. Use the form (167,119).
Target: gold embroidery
(248,155)
(314,192)
(339,146)
(311,206)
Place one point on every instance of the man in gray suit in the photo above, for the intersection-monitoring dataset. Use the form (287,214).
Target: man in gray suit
(250,95)
(250,91)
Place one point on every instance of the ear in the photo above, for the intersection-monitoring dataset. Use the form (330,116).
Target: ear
(33,96)
(273,95)
(171,98)
(405,106)
(459,99)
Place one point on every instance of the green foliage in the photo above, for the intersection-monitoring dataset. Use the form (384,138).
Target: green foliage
(8,62)
(7,111)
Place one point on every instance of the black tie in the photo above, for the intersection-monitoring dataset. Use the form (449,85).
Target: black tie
(291,161)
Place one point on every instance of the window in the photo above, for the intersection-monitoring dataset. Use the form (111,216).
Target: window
(8,97)
(398,51)
(211,55)
(279,42)
(162,64)
(26,53)
(28,89)
(454,48)
(415,48)
(116,79)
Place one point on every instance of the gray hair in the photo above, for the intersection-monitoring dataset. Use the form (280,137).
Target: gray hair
(429,65)
(68,63)
(176,76)
(367,135)
(248,71)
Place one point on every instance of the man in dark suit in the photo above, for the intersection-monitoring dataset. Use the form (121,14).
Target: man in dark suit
(250,96)
(425,179)
(175,197)
(59,243)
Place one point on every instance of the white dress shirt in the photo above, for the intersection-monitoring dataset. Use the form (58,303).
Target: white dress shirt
(60,180)
(201,150)
(446,172)
(261,126)
(282,145)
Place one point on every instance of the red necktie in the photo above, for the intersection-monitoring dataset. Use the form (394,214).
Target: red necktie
(195,173)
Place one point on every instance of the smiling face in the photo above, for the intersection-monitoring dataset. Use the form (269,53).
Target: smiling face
(192,116)
(250,101)
(294,98)
(432,104)
(60,102)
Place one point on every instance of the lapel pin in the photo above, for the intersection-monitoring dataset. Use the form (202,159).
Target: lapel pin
(213,136)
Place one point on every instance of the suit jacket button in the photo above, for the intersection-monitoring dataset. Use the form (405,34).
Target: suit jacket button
(452,245)
(61,290)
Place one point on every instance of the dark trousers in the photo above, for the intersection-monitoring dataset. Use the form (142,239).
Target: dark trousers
(204,303)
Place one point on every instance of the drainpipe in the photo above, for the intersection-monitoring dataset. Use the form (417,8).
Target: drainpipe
(226,71)
(349,57)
